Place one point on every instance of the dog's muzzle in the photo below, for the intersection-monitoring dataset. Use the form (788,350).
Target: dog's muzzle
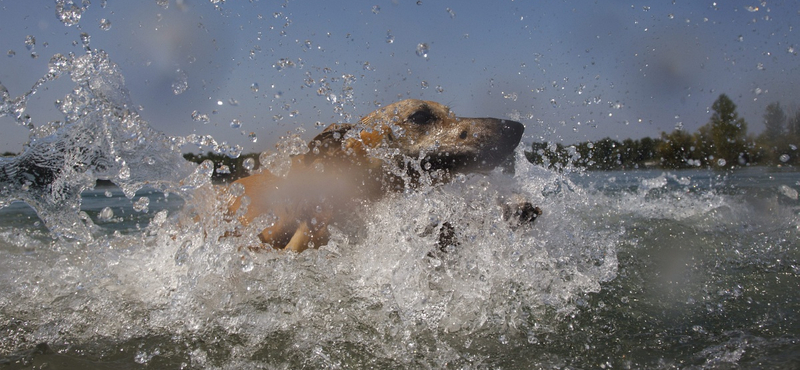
(491,145)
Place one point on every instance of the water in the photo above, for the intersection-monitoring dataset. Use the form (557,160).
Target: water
(640,269)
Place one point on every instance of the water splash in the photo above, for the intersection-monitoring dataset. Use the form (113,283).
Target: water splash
(181,82)
(102,137)
(69,13)
(177,289)
(373,286)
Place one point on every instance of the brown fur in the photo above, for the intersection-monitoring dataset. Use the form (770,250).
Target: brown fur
(348,165)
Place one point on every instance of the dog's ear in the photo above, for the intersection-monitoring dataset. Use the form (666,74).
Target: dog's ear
(338,143)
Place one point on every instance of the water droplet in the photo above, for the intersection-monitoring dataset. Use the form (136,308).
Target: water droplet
(283,63)
(200,117)
(30,42)
(223,170)
(760,66)
(721,162)
(234,151)
(124,172)
(105,215)
(451,12)
(254,87)
(163,3)
(249,164)
(11,53)
(422,50)
(389,37)
(181,83)
(439,89)
(424,84)
(58,64)
(246,263)
(182,255)
(789,192)
(784,158)
(141,205)
(70,13)
(105,24)
(85,40)
(141,357)
(740,38)
(235,123)
(253,137)
(376,9)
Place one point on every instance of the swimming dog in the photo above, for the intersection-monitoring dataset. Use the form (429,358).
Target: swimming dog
(404,145)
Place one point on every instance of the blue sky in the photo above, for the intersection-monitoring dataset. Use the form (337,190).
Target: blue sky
(569,70)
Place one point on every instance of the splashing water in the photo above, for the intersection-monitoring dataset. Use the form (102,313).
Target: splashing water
(144,272)
(102,137)
(69,13)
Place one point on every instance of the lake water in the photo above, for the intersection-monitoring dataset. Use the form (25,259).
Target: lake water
(640,269)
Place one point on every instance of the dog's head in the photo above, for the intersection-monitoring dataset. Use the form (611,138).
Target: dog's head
(430,133)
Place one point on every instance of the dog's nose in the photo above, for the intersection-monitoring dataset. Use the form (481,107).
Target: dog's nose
(511,132)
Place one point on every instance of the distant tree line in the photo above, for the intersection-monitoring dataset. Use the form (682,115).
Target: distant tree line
(723,142)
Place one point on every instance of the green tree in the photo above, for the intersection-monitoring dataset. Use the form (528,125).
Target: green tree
(675,149)
(728,133)
(606,154)
(793,125)
(629,152)
(648,150)
(703,148)
(775,121)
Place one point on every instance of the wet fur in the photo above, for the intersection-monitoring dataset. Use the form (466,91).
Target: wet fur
(348,165)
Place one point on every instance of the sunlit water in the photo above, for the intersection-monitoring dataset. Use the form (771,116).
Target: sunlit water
(639,269)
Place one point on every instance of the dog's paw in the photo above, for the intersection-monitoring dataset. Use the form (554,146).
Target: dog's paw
(522,213)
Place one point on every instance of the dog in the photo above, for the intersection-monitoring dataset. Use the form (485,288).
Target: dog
(405,145)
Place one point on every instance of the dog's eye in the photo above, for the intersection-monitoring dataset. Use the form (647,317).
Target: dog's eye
(421,117)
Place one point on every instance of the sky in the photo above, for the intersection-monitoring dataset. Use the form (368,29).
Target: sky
(570,71)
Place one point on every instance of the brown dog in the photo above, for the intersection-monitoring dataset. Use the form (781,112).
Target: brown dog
(403,145)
